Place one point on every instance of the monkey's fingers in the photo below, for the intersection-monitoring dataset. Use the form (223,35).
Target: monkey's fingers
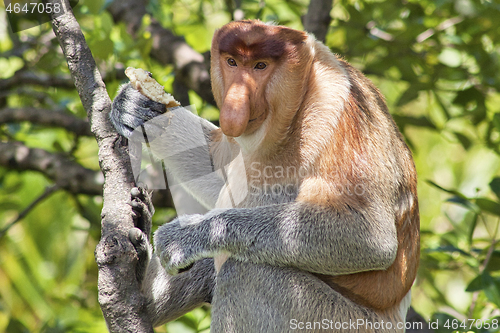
(131,109)
(141,245)
(143,209)
(142,193)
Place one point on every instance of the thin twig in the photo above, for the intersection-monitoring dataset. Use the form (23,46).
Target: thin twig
(48,191)
(442,26)
(483,266)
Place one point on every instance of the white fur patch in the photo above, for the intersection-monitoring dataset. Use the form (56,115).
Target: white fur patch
(251,142)
(235,189)
(404,306)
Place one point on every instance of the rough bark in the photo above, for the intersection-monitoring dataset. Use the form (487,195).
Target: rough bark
(121,302)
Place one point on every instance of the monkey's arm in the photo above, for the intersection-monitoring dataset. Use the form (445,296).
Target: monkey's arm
(301,235)
(179,138)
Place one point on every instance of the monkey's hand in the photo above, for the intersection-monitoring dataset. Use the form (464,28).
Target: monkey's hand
(132,109)
(187,239)
(143,211)
(179,244)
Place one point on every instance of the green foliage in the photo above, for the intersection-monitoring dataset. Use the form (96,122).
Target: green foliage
(437,63)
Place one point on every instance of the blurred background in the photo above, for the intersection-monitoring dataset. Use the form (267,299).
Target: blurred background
(437,63)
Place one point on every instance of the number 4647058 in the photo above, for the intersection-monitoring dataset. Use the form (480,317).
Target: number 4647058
(33,7)
(469,324)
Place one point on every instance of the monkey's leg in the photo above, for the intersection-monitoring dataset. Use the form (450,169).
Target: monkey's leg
(261,298)
(167,297)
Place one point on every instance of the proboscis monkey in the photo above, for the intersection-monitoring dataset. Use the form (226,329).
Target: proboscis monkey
(314,219)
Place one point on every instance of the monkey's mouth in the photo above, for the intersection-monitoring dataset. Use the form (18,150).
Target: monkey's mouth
(258,117)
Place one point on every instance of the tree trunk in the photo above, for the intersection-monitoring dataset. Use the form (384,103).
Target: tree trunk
(121,301)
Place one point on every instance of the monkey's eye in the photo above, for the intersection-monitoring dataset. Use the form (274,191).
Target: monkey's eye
(231,62)
(260,65)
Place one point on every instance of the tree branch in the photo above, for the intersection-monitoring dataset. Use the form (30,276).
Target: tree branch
(66,174)
(317,20)
(419,324)
(23,77)
(47,118)
(119,295)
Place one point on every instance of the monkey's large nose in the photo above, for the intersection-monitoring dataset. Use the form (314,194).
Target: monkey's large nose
(235,112)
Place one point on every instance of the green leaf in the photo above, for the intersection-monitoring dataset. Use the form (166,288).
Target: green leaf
(464,141)
(472,227)
(488,205)
(479,283)
(492,292)
(494,262)
(450,57)
(410,94)
(496,121)
(441,104)
(466,203)
(94,6)
(439,320)
(488,284)
(15,326)
(444,189)
(447,249)
(466,96)
(495,186)
(414,121)
(473,101)
(102,48)
(189,322)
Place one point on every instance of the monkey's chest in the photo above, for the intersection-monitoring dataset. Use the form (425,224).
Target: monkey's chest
(250,193)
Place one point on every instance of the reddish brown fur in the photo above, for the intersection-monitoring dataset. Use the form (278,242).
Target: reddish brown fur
(353,150)
(243,39)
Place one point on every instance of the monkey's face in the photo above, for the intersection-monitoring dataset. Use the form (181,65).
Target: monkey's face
(244,106)
(246,56)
